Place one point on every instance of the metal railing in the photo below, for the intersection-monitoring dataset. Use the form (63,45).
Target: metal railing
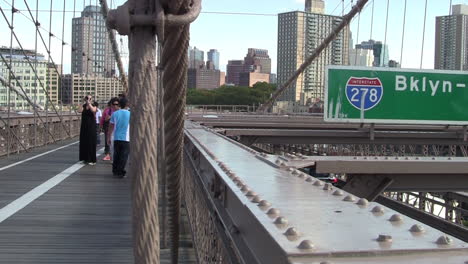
(26,133)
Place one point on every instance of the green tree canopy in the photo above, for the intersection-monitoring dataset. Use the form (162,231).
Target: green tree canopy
(231,95)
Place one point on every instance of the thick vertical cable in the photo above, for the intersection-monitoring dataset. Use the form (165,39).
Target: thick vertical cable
(115,49)
(9,78)
(35,70)
(175,62)
(48,81)
(385,40)
(357,40)
(60,83)
(424,34)
(372,20)
(143,132)
(403,35)
(450,8)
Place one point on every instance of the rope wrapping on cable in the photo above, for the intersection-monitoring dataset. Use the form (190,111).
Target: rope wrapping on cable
(175,63)
(143,137)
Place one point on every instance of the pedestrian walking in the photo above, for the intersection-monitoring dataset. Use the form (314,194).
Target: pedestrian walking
(112,106)
(119,127)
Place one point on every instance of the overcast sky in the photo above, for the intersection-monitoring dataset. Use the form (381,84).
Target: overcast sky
(233,34)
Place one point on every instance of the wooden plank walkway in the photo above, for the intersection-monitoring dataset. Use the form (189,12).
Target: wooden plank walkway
(86,218)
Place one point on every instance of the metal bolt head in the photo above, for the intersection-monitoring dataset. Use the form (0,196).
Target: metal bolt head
(444,240)
(395,218)
(256,199)
(281,220)
(338,193)
(363,202)
(278,161)
(273,211)
(250,193)
(378,209)
(282,163)
(318,183)
(327,187)
(306,244)
(384,238)
(290,169)
(417,228)
(349,198)
(292,231)
(295,172)
(245,188)
(309,179)
(264,203)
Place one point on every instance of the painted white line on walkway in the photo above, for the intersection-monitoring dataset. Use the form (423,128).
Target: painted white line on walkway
(18,204)
(37,156)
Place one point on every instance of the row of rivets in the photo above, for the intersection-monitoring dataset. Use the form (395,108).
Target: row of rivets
(377,209)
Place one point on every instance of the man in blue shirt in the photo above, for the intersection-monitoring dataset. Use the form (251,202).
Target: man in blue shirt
(119,126)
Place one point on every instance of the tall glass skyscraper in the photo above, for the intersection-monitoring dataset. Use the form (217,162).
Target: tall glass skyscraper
(196,58)
(213,56)
(90,40)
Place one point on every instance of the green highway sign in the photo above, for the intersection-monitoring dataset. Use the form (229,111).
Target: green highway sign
(390,95)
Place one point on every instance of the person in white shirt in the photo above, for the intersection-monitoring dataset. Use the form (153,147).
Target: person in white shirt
(98,115)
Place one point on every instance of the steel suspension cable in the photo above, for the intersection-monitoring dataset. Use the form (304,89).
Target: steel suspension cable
(450,8)
(115,48)
(143,135)
(89,39)
(9,79)
(385,41)
(424,34)
(372,20)
(37,77)
(31,65)
(61,57)
(403,35)
(23,93)
(48,97)
(357,40)
(48,81)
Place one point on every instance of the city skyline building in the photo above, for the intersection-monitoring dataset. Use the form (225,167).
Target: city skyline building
(451,40)
(257,59)
(213,56)
(233,70)
(379,51)
(34,86)
(92,50)
(196,58)
(206,77)
(361,57)
(299,34)
(315,6)
(77,86)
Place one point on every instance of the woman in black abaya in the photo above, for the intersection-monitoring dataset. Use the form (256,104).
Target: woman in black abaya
(88,131)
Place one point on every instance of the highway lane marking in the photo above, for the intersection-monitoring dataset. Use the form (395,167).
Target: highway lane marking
(37,156)
(18,204)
